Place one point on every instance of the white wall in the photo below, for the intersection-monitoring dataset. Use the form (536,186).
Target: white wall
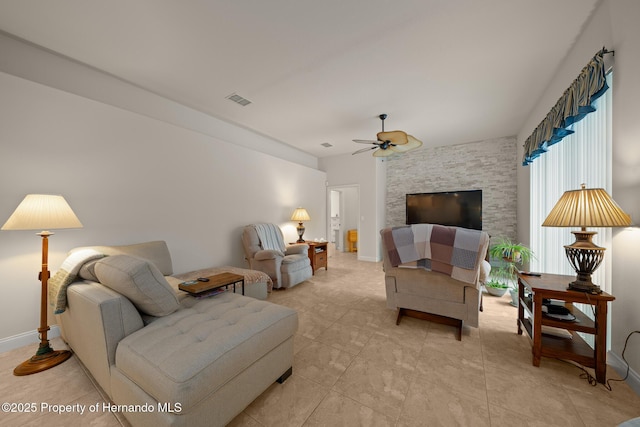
(131,177)
(614,25)
(32,63)
(626,177)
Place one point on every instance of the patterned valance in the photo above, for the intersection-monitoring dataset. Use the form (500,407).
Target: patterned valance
(574,104)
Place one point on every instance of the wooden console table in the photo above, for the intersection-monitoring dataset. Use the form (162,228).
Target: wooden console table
(531,292)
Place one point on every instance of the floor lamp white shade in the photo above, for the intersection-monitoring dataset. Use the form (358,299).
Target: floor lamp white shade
(42,212)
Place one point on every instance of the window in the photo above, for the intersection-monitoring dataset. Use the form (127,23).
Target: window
(582,157)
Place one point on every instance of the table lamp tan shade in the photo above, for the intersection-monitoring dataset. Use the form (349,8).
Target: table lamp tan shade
(300,214)
(586,207)
(42,212)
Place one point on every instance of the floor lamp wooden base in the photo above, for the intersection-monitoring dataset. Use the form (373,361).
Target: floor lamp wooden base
(39,363)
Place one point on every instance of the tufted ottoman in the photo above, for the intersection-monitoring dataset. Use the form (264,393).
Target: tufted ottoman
(191,356)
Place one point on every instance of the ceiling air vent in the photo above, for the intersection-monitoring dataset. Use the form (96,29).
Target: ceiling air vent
(238,99)
(326,144)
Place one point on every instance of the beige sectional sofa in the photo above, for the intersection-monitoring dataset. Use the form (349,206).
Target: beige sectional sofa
(163,357)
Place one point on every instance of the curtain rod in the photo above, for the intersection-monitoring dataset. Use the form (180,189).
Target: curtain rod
(605,51)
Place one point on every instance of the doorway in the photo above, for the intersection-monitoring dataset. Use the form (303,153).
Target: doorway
(344,214)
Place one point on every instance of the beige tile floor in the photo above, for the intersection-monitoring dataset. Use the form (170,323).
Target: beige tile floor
(353,366)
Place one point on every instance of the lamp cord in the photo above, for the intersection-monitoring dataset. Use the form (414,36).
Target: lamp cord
(585,374)
(626,375)
(591,379)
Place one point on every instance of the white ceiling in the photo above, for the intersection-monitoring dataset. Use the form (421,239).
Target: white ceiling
(445,71)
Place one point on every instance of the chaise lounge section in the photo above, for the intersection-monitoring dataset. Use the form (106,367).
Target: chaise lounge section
(166,358)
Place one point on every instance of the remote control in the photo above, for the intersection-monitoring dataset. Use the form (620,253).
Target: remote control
(202,279)
(529,273)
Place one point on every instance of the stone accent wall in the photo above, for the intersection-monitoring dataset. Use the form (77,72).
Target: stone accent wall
(488,165)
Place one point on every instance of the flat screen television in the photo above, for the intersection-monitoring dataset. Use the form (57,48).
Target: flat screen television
(454,208)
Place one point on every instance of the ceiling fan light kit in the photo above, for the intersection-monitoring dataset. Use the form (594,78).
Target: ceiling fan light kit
(389,143)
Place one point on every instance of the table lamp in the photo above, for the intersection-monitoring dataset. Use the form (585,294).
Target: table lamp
(42,212)
(300,214)
(586,207)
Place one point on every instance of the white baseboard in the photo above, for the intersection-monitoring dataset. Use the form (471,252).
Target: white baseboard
(27,338)
(620,366)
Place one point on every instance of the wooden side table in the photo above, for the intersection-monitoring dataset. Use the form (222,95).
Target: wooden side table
(532,291)
(318,255)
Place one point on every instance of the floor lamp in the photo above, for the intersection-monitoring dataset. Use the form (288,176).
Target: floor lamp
(42,212)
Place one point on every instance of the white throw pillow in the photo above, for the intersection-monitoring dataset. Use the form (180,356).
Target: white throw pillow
(140,281)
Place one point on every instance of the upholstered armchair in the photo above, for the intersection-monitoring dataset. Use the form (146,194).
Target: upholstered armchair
(435,272)
(265,250)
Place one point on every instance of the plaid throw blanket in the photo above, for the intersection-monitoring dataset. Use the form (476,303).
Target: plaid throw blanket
(66,275)
(271,237)
(454,251)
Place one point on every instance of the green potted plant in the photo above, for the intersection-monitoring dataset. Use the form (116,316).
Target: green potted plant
(496,287)
(512,256)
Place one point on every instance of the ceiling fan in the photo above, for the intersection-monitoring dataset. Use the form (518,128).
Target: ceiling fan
(389,143)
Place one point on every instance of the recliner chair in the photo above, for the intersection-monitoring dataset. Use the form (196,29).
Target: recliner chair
(265,250)
(435,287)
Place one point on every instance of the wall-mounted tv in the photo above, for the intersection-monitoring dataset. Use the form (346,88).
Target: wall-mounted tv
(454,208)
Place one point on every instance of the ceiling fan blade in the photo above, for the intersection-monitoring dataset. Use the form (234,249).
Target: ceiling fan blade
(410,145)
(396,137)
(363,150)
(365,141)
(382,153)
